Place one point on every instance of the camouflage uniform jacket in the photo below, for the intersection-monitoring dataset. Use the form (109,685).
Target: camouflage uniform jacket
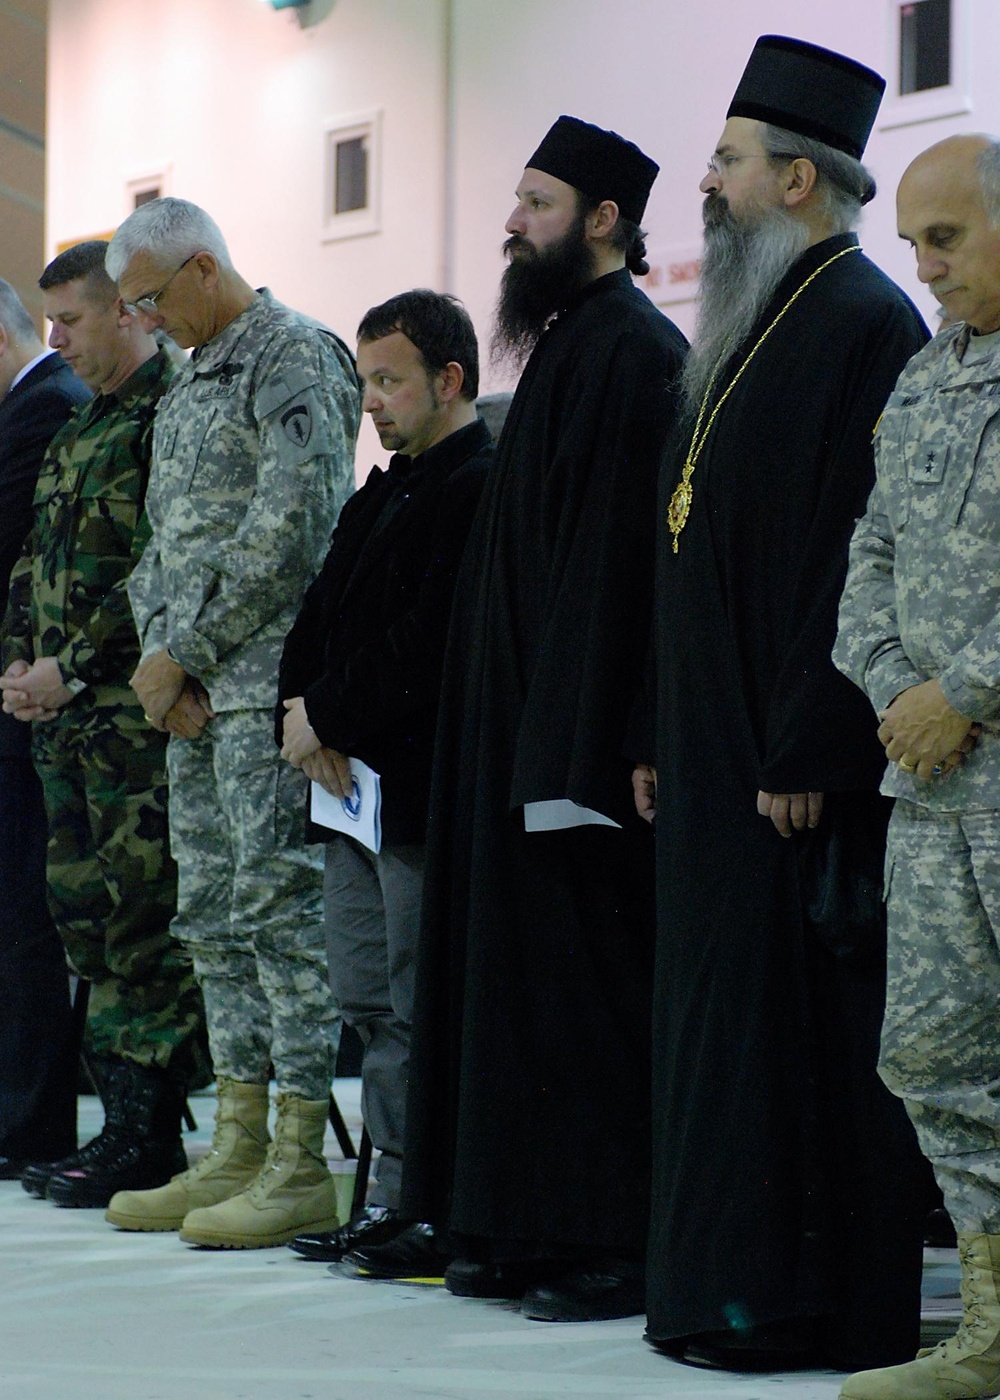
(252,460)
(922,597)
(68,594)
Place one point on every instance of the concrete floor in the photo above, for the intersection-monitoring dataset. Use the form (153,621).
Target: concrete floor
(89,1313)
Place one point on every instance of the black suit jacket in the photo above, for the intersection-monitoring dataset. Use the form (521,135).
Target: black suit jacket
(30,416)
(367,648)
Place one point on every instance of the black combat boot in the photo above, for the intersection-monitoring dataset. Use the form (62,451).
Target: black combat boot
(139,1146)
(104,1072)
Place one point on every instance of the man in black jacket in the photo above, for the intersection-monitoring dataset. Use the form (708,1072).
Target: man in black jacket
(360,679)
(38,392)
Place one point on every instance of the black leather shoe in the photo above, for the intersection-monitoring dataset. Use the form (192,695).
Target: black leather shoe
(375,1225)
(468,1279)
(414,1253)
(585,1295)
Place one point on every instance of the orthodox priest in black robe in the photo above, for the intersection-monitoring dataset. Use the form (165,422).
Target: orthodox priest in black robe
(787,1210)
(528,1120)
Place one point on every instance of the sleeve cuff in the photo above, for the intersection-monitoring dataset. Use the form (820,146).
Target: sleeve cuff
(975,703)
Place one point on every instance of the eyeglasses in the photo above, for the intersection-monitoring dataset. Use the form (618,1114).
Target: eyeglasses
(147,305)
(719,164)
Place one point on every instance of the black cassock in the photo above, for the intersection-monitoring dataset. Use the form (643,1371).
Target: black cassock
(528,1119)
(786,1181)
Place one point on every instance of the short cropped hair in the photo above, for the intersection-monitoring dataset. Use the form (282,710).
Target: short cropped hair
(86,261)
(437,324)
(988,162)
(13,316)
(168,229)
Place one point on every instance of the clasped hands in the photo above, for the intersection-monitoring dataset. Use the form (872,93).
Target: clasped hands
(173,702)
(924,734)
(35,691)
(302,749)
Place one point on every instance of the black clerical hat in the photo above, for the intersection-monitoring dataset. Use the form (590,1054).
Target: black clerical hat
(809,90)
(601,164)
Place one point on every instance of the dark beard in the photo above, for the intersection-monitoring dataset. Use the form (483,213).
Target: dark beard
(535,285)
(745,258)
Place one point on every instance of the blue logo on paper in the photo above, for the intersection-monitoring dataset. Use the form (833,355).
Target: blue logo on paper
(352,804)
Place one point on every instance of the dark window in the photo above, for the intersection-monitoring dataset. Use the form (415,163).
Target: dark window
(351,175)
(924,45)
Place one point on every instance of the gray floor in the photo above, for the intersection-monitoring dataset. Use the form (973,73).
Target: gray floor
(88,1313)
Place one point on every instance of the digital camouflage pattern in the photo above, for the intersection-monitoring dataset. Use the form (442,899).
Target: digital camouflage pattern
(922,597)
(250,907)
(253,459)
(941,1035)
(111,881)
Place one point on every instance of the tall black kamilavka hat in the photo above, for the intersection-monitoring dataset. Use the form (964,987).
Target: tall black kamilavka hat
(809,90)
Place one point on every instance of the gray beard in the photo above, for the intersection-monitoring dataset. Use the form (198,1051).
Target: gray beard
(743,263)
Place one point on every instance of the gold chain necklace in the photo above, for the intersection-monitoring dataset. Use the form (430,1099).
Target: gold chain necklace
(680,502)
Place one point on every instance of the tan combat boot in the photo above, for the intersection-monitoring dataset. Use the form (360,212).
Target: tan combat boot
(966,1366)
(292,1192)
(239,1146)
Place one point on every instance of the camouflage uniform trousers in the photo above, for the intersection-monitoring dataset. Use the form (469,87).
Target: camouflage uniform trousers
(112,885)
(250,905)
(941,1035)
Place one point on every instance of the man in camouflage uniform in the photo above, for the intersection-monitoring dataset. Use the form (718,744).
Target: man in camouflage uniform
(70,646)
(920,633)
(253,459)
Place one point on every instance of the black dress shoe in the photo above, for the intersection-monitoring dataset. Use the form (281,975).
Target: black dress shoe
(467,1278)
(585,1295)
(375,1225)
(414,1253)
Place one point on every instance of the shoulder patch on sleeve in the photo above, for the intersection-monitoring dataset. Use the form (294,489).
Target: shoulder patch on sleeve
(284,385)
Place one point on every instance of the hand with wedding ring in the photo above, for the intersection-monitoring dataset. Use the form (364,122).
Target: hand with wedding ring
(924,734)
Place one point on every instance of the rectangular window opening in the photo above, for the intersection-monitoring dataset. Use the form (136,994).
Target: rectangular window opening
(351,176)
(924,45)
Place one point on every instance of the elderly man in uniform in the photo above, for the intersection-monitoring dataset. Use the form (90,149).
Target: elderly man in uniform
(252,460)
(70,646)
(528,1120)
(38,392)
(786,1181)
(920,633)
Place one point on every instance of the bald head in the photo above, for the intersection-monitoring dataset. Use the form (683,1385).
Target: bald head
(948,210)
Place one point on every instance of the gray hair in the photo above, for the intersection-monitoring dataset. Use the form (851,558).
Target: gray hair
(14,317)
(169,230)
(843,184)
(988,162)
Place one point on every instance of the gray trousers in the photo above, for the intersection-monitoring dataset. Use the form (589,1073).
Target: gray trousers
(941,1035)
(372,905)
(249,905)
